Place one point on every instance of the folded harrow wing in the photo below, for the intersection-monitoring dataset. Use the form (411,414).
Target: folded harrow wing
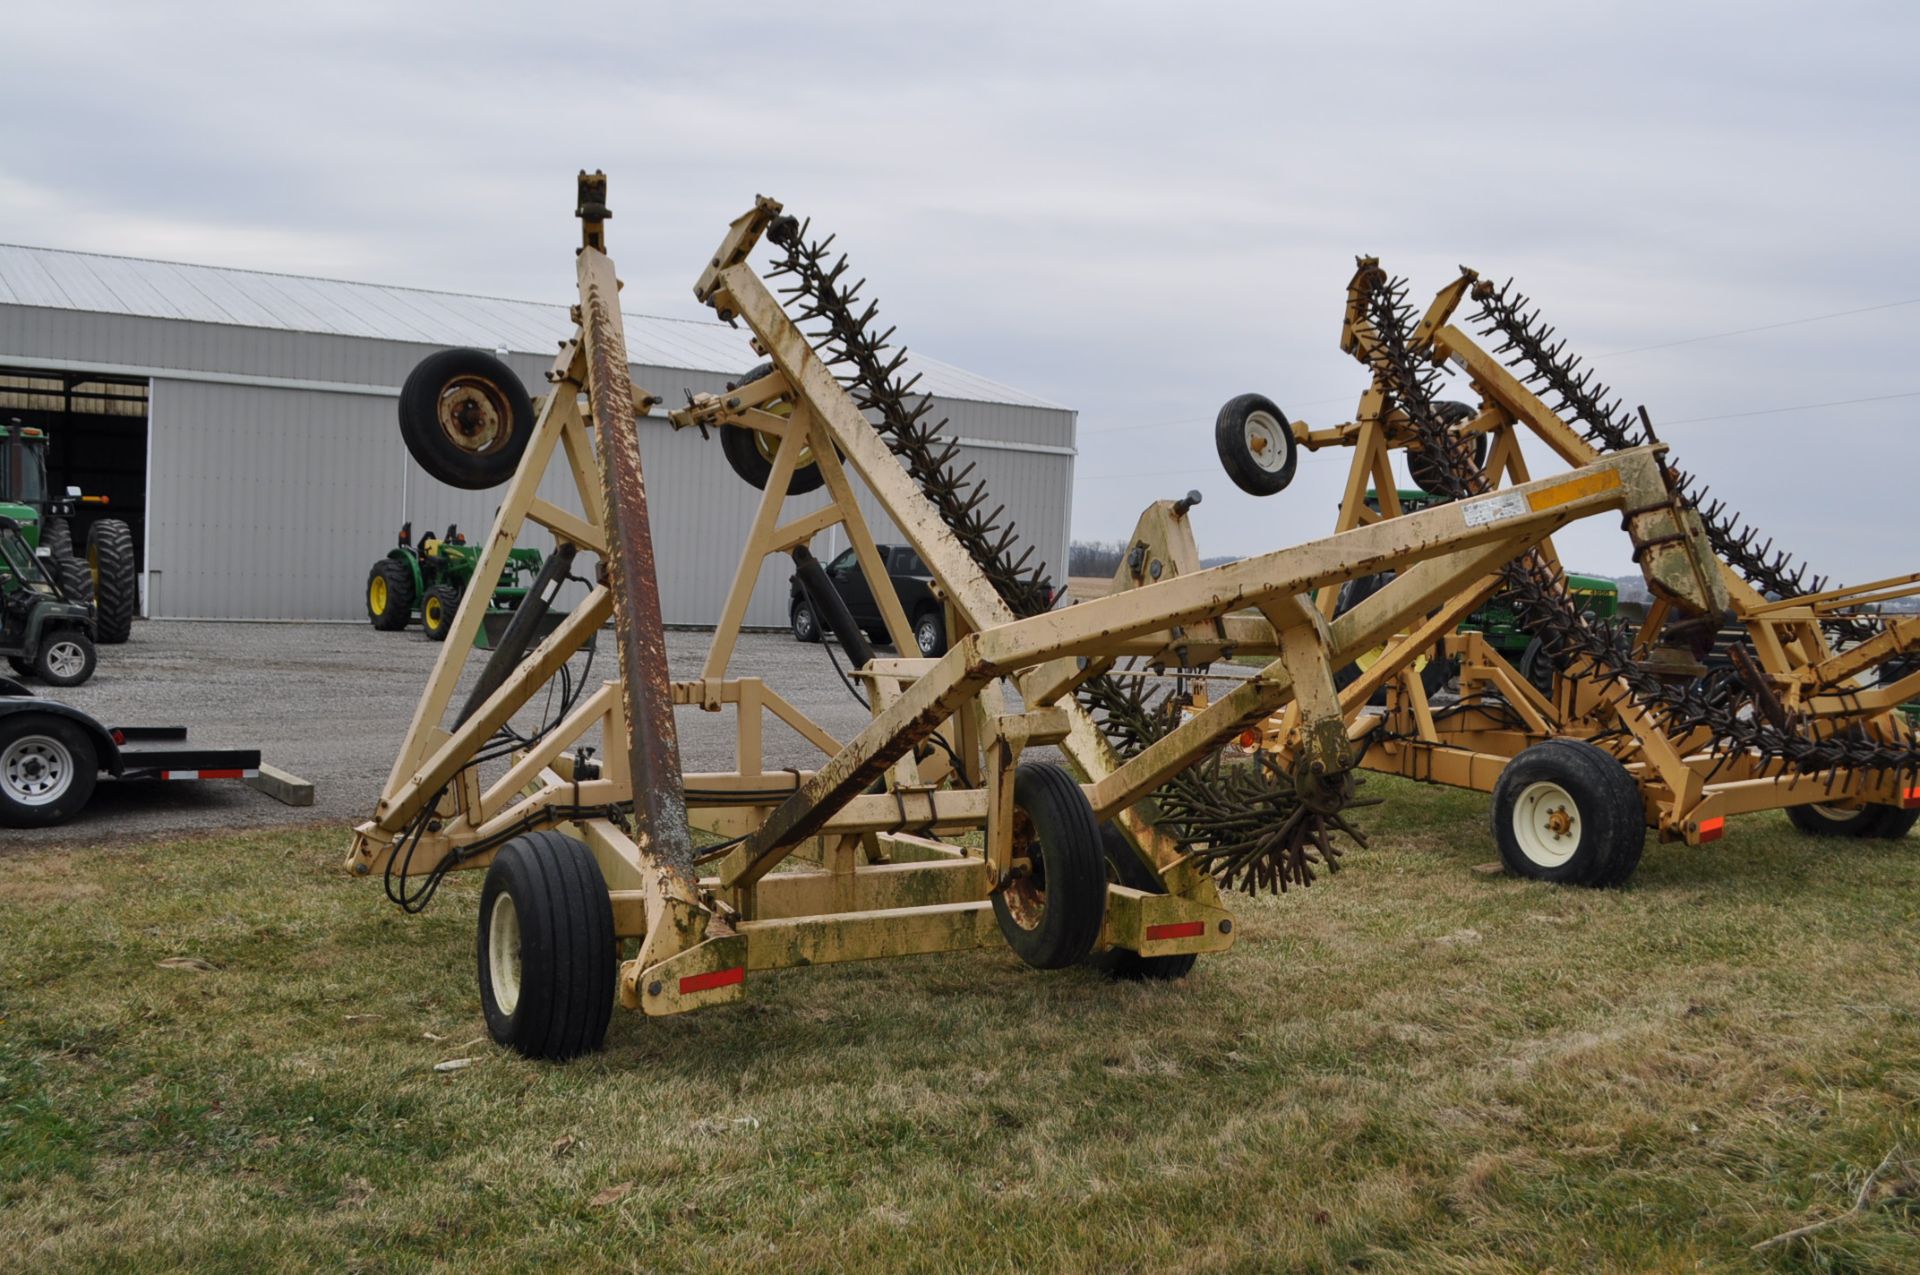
(1779,695)
(612,874)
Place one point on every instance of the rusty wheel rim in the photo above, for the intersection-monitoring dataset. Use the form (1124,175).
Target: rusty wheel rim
(1026,894)
(475,415)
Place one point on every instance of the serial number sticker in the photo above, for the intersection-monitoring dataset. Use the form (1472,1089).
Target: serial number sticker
(1497,508)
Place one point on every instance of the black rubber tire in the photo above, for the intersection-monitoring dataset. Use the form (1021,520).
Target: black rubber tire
(568,962)
(930,633)
(742,447)
(116,580)
(1434,677)
(64,737)
(1124,868)
(1888,822)
(1610,820)
(56,537)
(806,625)
(1425,473)
(437,611)
(60,643)
(1536,668)
(399,607)
(494,389)
(1069,877)
(75,579)
(1238,458)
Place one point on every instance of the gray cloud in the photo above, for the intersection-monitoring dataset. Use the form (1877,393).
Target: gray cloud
(1136,210)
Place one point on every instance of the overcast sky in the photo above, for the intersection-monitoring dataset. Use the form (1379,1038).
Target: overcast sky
(1136,211)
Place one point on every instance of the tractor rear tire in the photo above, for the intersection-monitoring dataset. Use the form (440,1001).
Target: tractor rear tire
(75,580)
(65,658)
(1879,821)
(437,611)
(48,768)
(1052,915)
(1435,674)
(545,949)
(56,537)
(389,595)
(466,418)
(1567,812)
(1124,868)
(116,580)
(1256,445)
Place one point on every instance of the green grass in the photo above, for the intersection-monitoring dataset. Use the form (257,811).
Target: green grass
(1410,1067)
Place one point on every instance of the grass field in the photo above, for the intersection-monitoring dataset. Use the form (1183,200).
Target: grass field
(1412,1067)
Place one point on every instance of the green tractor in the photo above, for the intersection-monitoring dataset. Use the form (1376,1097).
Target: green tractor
(430,579)
(42,634)
(108,577)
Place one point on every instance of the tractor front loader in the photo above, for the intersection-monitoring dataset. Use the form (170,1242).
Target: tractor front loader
(613,874)
(1779,694)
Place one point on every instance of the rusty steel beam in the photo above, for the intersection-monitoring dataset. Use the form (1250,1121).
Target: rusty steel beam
(653,742)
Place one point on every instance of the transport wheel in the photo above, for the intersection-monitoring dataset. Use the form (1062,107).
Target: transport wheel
(1256,444)
(930,634)
(437,610)
(116,580)
(1124,868)
(545,949)
(1889,822)
(1435,669)
(806,626)
(751,453)
(48,767)
(65,658)
(1426,473)
(466,418)
(389,595)
(1568,812)
(1052,910)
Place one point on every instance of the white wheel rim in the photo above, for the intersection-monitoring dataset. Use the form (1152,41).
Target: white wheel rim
(1837,814)
(36,770)
(1546,824)
(503,952)
(1266,441)
(66,659)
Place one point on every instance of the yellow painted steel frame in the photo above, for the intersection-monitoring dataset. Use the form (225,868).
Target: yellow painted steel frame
(891,879)
(1688,791)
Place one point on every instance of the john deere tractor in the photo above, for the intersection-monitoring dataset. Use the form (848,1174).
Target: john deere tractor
(428,580)
(108,578)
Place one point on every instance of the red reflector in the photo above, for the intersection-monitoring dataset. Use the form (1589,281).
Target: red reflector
(1712,829)
(715,978)
(1910,798)
(223,774)
(1177,930)
(119,737)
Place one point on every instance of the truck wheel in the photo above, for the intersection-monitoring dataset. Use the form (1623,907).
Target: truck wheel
(930,634)
(48,767)
(545,948)
(1568,812)
(1051,912)
(65,658)
(1255,444)
(751,453)
(1427,474)
(116,580)
(1889,822)
(806,625)
(389,596)
(466,418)
(438,609)
(1124,868)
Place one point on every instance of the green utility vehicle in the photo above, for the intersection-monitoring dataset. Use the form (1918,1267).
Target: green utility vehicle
(430,579)
(42,634)
(108,577)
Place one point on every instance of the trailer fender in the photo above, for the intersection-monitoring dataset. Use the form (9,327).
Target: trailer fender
(19,700)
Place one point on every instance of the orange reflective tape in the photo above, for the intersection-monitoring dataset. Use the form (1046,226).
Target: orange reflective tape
(1574,489)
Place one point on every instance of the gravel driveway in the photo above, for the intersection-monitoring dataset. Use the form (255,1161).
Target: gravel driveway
(330,703)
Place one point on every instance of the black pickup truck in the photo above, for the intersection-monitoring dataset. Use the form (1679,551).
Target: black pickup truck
(911,581)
